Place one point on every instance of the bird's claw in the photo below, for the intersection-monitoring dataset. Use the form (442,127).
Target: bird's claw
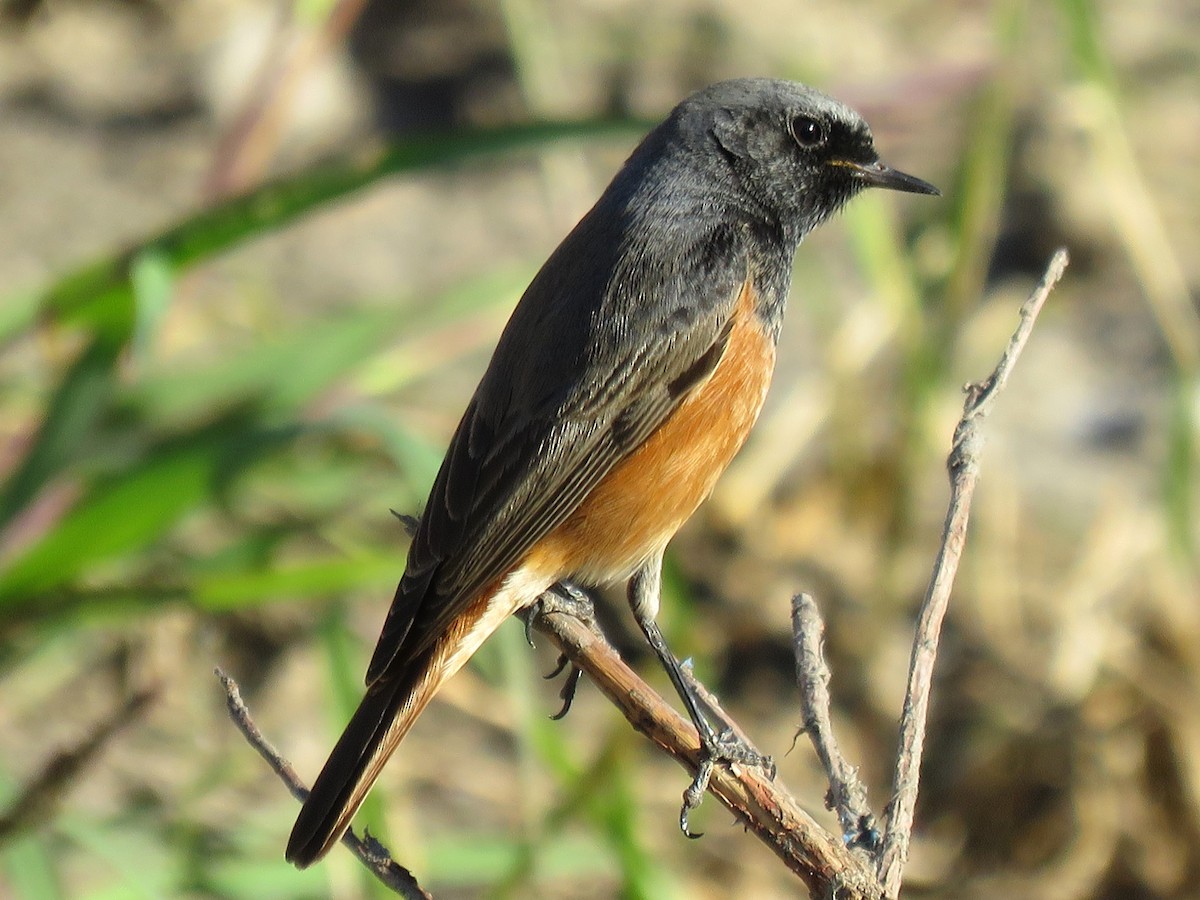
(562,598)
(725,747)
(568,600)
(570,685)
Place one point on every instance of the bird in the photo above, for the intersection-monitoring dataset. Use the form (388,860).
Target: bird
(628,376)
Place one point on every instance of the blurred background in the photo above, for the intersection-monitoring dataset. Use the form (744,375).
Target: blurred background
(253,257)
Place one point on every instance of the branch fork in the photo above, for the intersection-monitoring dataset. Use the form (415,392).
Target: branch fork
(866,861)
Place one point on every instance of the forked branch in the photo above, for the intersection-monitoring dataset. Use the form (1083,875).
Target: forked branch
(825,862)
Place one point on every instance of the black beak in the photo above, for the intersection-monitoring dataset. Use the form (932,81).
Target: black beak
(877,174)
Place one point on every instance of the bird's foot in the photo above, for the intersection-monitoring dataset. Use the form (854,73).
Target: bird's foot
(570,685)
(566,599)
(726,747)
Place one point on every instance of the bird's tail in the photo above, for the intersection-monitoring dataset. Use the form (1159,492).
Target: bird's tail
(387,712)
(384,716)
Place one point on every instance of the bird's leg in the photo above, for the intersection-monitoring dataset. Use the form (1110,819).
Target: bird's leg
(567,599)
(645,588)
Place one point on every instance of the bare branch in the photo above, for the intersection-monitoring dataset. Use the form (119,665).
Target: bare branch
(963,466)
(826,866)
(369,851)
(847,795)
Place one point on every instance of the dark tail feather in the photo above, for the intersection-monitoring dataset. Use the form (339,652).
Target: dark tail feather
(381,720)
(392,704)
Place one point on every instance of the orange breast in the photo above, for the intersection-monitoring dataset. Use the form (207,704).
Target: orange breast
(638,507)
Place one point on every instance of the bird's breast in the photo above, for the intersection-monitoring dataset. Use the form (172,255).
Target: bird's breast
(637,508)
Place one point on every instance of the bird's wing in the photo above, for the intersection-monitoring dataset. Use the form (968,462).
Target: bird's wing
(569,393)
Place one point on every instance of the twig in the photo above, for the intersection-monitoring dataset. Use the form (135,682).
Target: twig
(763,806)
(369,851)
(963,465)
(847,795)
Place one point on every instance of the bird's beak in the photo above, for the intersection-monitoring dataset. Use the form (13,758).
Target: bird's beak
(878,174)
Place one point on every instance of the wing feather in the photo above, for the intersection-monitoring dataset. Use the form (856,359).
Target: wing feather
(568,395)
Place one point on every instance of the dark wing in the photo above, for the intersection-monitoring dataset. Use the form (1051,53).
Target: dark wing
(568,394)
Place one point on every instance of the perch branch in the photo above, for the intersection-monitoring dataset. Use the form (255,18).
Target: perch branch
(826,866)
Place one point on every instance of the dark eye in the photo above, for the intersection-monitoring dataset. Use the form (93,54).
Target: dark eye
(807,132)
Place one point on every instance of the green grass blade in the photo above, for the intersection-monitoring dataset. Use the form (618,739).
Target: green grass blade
(153,284)
(279,375)
(30,873)
(128,512)
(100,295)
(18,313)
(320,578)
(70,418)
(1087,45)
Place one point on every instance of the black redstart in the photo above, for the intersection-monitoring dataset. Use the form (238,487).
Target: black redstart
(627,378)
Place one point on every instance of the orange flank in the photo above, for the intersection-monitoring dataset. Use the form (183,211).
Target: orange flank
(637,508)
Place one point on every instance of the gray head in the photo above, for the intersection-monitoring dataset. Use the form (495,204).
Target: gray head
(777,150)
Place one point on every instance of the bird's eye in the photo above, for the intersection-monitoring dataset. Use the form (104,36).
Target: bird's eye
(807,132)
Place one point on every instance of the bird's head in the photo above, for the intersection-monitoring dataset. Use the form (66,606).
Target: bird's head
(793,152)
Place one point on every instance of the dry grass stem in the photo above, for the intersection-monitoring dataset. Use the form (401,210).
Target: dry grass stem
(38,800)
